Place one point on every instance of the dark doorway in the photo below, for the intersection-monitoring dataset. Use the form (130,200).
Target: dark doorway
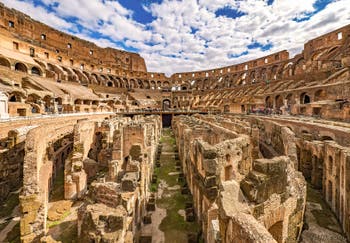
(167,120)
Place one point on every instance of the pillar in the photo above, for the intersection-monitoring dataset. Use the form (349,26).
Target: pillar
(4,108)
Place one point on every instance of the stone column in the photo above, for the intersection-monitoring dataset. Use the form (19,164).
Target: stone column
(4,108)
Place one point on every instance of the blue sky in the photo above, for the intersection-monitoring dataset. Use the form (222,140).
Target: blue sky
(187,35)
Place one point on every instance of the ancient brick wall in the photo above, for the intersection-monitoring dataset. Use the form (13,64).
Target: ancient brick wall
(44,39)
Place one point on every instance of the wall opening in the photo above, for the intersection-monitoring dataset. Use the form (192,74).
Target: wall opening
(166,120)
(20,67)
(276,231)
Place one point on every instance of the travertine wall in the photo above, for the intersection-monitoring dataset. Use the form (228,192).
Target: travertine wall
(230,179)
(55,43)
(125,186)
(37,173)
(82,148)
(322,154)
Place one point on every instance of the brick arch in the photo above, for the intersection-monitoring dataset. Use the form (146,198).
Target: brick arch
(146,84)
(36,71)
(5,62)
(21,67)
(299,67)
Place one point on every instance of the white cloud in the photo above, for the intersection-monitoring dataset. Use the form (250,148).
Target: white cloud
(187,35)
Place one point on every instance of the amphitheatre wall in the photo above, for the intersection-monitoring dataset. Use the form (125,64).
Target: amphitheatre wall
(60,47)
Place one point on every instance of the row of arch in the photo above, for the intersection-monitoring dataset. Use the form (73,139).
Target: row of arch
(278,71)
(304,98)
(21,67)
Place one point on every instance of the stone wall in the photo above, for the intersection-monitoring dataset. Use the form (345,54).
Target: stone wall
(231,181)
(37,174)
(11,169)
(55,43)
(128,148)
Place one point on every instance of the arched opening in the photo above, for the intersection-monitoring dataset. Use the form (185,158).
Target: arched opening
(33,98)
(13,98)
(166,105)
(36,71)
(21,67)
(4,62)
(289,99)
(109,84)
(268,102)
(279,101)
(276,231)
(299,67)
(226,108)
(166,84)
(305,98)
(78,102)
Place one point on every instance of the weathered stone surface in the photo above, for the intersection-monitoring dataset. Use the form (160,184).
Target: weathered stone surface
(101,223)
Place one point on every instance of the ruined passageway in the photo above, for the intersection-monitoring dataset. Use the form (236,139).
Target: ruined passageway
(173,217)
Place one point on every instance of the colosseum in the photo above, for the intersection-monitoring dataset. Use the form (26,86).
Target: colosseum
(94,148)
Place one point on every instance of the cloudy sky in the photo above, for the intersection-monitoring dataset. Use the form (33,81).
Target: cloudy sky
(187,35)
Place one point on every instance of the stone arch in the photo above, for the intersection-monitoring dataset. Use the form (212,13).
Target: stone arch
(72,76)
(38,175)
(57,70)
(290,99)
(140,84)
(279,101)
(95,79)
(15,96)
(268,102)
(276,230)
(146,84)
(166,104)
(252,76)
(36,71)
(166,84)
(21,67)
(287,70)
(5,62)
(125,82)
(274,72)
(133,83)
(299,67)
(242,79)
(305,98)
(110,84)
(33,98)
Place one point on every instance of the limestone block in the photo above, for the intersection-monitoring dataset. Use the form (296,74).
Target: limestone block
(100,223)
(129,181)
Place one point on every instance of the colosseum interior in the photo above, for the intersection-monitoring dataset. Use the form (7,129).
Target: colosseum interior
(94,148)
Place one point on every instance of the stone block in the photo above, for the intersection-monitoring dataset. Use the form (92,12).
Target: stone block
(129,181)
